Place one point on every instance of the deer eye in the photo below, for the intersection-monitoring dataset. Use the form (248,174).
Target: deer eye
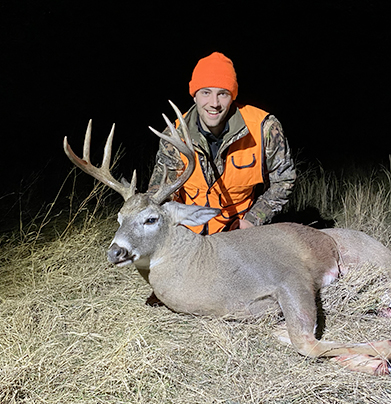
(151,220)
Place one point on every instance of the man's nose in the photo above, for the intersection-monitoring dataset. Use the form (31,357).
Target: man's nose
(215,102)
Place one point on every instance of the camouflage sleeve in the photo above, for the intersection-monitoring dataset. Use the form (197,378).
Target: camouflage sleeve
(169,156)
(280,171)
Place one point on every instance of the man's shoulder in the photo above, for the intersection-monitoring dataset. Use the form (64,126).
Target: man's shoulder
(189,116)
(249,112)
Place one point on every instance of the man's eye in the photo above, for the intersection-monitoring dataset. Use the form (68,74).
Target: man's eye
(151,220)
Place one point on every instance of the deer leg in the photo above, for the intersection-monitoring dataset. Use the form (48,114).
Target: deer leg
(364,363)
(299,310)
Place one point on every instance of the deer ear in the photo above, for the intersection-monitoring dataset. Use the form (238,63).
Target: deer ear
(189,215)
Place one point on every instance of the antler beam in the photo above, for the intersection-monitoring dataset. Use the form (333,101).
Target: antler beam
(185,147)
(103,173)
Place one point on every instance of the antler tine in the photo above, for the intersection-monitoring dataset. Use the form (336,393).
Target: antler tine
(174,139)
(132,186)
(107,150)
(87,142)
(102,174)
(184,127)
(185,147)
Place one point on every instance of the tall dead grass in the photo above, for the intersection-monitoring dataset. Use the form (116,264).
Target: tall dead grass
(357,199)
(74,329)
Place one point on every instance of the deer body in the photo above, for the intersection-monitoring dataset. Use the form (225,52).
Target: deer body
(224,276)
(240,273)
(228,274)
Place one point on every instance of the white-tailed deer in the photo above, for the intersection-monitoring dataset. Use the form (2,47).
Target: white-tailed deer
(239,273)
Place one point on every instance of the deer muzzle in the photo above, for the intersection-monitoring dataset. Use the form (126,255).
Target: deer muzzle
(119,255)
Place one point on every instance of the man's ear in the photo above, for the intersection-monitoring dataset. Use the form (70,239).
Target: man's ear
(189,215)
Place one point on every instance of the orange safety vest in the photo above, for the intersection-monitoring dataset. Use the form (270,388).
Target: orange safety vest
(233,191)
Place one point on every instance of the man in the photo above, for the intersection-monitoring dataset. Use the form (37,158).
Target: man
(243,162)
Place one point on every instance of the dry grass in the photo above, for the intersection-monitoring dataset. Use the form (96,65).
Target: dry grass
(74,329)
(358,200)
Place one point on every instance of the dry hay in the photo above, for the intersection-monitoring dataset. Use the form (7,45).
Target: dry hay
(74,329)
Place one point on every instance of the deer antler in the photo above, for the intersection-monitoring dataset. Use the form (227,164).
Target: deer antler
(103,173)
(128,190)
(185,147)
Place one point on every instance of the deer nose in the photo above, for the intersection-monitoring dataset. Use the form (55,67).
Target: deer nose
(117,254)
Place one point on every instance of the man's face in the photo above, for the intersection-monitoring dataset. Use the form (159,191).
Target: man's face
(213,105)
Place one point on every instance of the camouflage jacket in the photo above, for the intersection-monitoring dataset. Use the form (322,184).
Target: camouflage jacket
(279,169)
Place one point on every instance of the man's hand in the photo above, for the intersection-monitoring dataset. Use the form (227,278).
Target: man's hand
(240,224)
(244,224)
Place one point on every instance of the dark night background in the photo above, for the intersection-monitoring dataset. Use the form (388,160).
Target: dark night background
(322,67)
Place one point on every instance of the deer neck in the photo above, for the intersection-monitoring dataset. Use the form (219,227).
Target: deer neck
(175,256)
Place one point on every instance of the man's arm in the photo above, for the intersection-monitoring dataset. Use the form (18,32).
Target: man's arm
(281,174)
(167,155)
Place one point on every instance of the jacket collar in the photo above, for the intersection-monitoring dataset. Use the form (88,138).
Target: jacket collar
(237,127)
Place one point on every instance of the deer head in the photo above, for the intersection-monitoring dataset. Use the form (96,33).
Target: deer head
(145,220)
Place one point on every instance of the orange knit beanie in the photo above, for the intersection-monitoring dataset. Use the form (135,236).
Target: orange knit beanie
(215,70)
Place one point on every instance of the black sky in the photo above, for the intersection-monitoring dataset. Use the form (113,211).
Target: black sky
(322,67)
